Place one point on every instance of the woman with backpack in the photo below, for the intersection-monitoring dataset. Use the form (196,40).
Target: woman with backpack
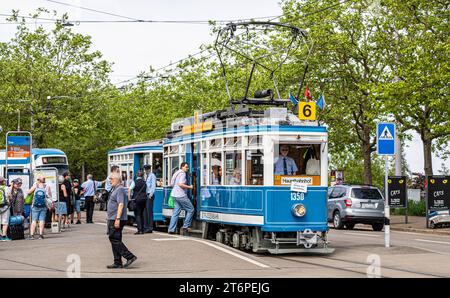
(39,206)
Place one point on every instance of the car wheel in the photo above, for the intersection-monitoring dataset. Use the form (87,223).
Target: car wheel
(337,221)
(377,226)
(349,226)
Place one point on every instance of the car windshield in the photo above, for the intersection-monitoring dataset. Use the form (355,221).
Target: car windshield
(366,194)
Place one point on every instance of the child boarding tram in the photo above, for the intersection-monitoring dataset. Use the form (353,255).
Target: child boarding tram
(243,164)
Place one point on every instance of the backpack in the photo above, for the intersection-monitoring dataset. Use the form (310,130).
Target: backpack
(3,201)
(39,198)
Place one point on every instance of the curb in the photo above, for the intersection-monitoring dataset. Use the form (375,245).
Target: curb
(423,231)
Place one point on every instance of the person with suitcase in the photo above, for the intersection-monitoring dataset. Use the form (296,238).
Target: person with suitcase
(17,202)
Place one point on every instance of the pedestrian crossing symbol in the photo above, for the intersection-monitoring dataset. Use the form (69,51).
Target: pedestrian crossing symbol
(386,138)
(386,134)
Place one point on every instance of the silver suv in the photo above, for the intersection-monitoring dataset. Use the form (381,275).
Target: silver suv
(353,204)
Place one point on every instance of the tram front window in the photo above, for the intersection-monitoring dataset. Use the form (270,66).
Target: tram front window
(296,160)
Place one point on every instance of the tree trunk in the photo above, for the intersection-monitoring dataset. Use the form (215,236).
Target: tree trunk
(367,152)
(367,164)
(427,156)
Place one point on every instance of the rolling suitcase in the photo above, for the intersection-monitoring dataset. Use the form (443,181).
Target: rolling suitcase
(16,232)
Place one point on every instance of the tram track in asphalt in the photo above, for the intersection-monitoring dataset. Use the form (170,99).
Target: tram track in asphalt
(340,268)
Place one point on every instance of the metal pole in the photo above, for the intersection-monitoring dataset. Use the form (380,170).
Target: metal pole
(18,123)
(387,227)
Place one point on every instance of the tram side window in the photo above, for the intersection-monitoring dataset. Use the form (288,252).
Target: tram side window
(233,168)
(297,159)
(216,168)
(157,167)
(255,167)
(166,171)
(174,165)
(204,169)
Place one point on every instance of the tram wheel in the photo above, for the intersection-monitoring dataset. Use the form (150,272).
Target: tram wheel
(220,237)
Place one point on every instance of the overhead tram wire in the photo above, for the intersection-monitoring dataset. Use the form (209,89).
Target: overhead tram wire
(166,66)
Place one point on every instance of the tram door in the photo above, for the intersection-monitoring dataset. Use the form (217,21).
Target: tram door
(195,174)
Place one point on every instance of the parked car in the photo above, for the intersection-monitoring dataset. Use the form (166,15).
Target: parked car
(82,203)
(355,204)
(439,219)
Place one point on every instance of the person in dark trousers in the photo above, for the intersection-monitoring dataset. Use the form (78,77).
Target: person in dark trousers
(70,202)
(77,194)
(150,180)
(117,218)
(114,169)
(140,197)
(89,188)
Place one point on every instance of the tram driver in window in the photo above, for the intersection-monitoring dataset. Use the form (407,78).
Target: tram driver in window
(285,165)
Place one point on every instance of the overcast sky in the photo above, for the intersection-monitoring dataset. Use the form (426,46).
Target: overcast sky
(134,47)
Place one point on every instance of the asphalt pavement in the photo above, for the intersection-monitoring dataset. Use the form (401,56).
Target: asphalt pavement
(84,251)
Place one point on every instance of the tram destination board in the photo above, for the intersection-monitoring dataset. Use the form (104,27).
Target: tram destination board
(438,192)
(397,191)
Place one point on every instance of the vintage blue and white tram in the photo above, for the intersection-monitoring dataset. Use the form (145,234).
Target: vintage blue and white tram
(132,158)
(260,178)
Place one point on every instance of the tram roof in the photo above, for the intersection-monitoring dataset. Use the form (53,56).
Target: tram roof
(228,122)
(140,146)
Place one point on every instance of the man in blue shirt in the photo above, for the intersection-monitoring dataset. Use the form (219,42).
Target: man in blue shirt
(150,179)
(89,188)
(285,165)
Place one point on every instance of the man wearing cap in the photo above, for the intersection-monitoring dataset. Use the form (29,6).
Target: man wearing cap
(4,210)
(150,180)
(77,189)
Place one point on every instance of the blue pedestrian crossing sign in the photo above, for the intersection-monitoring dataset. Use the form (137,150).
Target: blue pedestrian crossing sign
(386,138)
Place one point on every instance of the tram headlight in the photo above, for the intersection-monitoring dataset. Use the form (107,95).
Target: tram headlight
(299,210)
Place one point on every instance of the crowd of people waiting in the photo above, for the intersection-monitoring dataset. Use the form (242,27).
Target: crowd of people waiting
(36,207)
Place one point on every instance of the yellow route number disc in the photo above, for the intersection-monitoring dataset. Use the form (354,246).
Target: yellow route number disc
(307,110)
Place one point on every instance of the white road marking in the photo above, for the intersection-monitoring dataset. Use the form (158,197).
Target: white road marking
(169,239)
(222,249)
(432,241)
(361,234)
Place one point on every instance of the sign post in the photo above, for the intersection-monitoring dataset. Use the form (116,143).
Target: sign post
(386,147)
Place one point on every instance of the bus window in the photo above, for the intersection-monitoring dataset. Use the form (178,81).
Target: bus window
(296,160)
(255,167)
(233,168)
(216,168)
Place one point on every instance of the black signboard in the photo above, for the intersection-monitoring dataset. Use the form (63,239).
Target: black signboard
(438,190)
(397,191)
